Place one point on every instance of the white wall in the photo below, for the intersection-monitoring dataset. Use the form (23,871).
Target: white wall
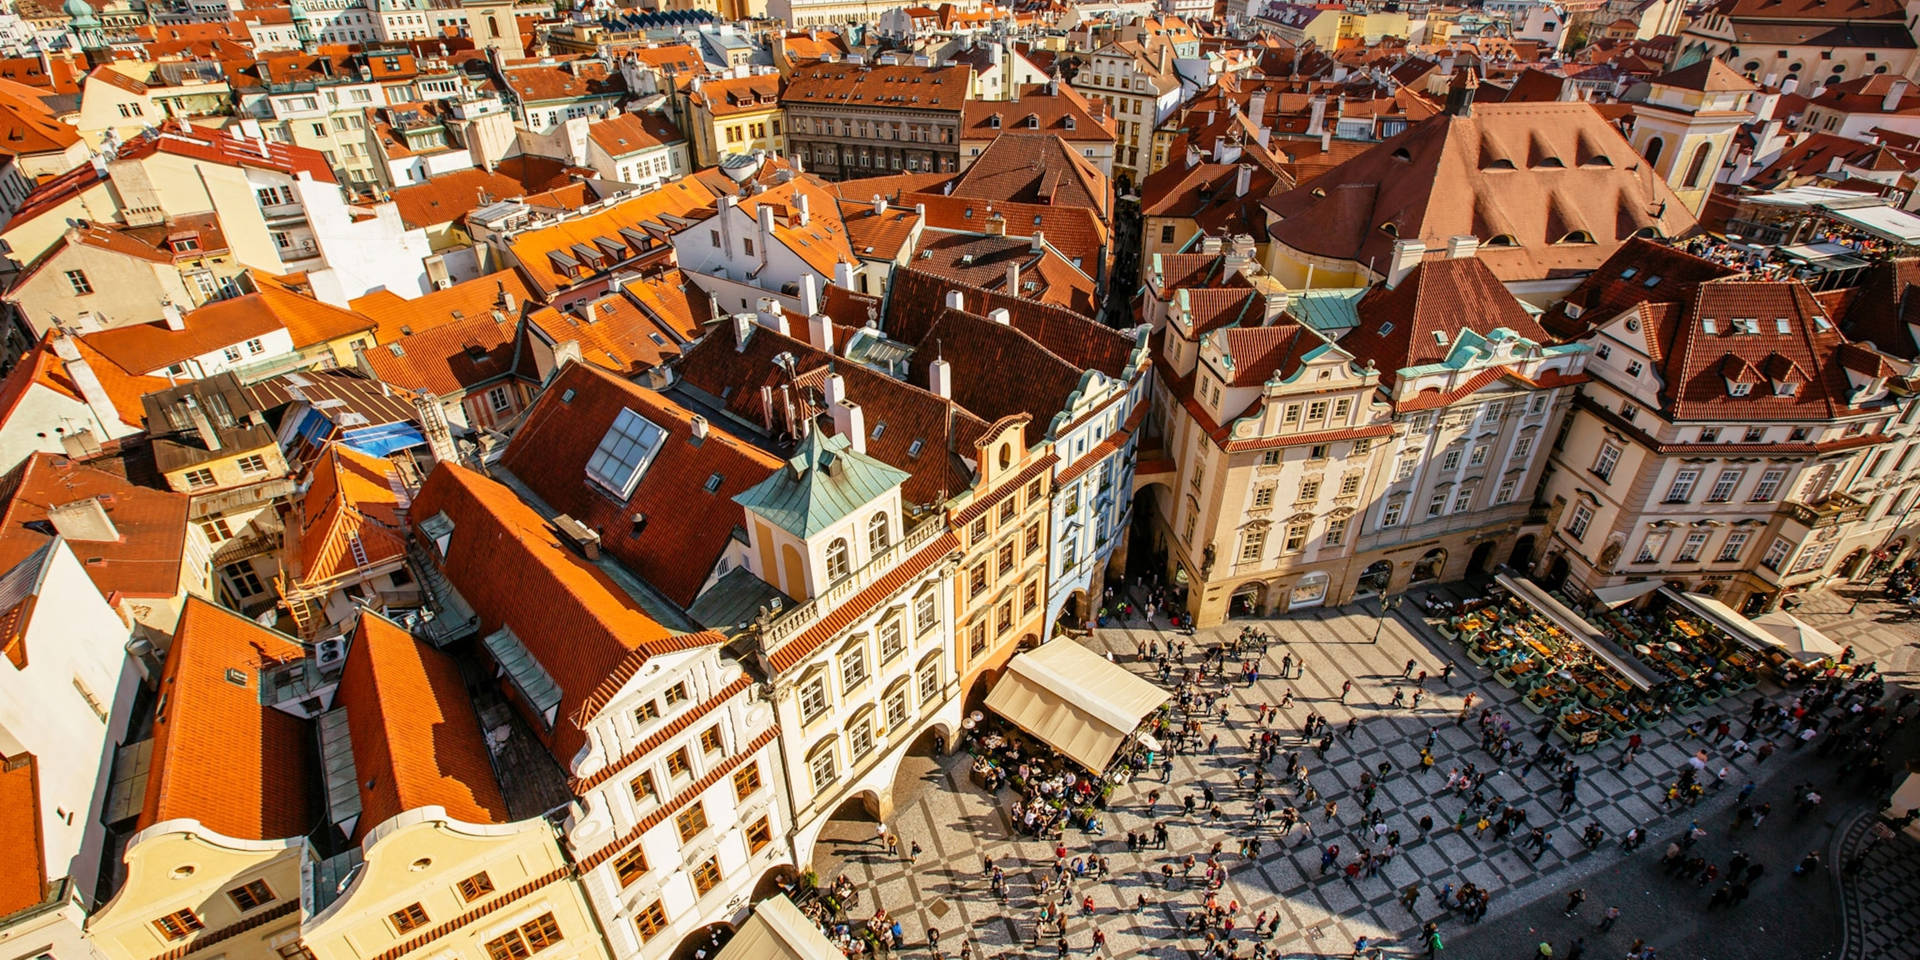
(363,256)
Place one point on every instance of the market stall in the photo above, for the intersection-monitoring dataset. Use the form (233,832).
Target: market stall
(1595,639)
(1073,700)
(1795,637)
(1726,619)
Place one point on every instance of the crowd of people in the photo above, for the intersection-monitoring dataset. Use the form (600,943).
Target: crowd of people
(1281,795)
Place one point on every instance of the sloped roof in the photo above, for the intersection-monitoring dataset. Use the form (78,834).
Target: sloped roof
(396,318)
(1532,172)
(1708,75)
(450,358)
(688,526)
(1641,271)
(512,568)
(1887,310)
(982,260)
(821,483)
(416,739)
(152,525)
(41,367)
(916,299)
(633,132)
(352,497)
(449,196)
(656,213)
(1035,168)
(1693,377)
(879,87)
(220,756)
(179,139)
(1441,296)
(23,872)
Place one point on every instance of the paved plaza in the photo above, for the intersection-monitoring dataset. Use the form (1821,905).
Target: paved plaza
(957,824)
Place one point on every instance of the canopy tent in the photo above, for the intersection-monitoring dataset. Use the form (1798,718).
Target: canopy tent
(1885,222)
(1726,618)
(1590,636)
(1074,701)
(1625,593)
(1794,635)
(779,931)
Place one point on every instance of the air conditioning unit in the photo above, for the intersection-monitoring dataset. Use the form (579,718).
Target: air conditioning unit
(331,654)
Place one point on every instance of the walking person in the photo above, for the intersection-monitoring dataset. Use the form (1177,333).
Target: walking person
(1574,900)
(1346,687)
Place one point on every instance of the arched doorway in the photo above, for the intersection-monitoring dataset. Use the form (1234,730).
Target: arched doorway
(1481,555)
(1557,570)
(704,943)
(1248,600)
(1146,556)
(1429,566)
(1309,591)
(920,767)
(1521,559)
(779,878)
(1375,578)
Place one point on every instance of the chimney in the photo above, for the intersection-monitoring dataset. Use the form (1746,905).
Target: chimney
(843,275)
(801,211)
(879,205)
(1896,91)
(834,389)
(940,378)
(505,300)
(996,225)
(175,319)
(201,425)
(849,422)
(1406,256)
(1193,156)
(1000,316)
(1462,247)
(1039,242)
(433,426)
(955,300)
(1242,179)
(809,295)
(742,331)
(1257,107)
(1013,278)
(83,520)
(766,228)
(697,428)
(1276,304)
(92,392)
(771,316)
(820,332)
(1317,114)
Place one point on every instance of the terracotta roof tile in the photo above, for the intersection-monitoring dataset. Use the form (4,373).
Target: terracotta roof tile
(633,132)
(1415,323)
(182,140)
(1035,168)
(645,219)
(982,260)
(40,367)
(416,740)
(736,95)
(23,872)
(220,756)
(351,517)
(1887,309)
(450,196)
(688,525)
(152,525)
(450,358)
(879,87)
(1791,340)
(396,319)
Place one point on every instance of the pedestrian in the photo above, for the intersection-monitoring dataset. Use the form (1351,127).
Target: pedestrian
(1410,896)
(1574,899)
(913,851)
(1612,917)
(1446,672)
(893,842)
(1346,687)
(1408,672)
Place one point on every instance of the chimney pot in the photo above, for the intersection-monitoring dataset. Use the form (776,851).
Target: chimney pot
(1000,316)
(955,300)
(1461,247)
(809,294)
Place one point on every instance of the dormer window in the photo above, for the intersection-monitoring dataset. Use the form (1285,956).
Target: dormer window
(1708,325)
(1577,236)
(1786,389)
(1033,122)
(1069,123)
(1502,240)
(993,122)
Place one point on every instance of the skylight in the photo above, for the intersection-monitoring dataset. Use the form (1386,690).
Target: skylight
(624,453)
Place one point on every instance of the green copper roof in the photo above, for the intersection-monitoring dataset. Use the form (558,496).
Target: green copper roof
(823,483)
(1330,310)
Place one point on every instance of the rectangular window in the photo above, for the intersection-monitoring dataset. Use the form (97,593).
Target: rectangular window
(1776,554)
(924,613)
(1479,456)
(1769,485)
(1341,407)
(410,917)
(1030,596)
(676,694)
(1407,467)
(1505,492)
(1390,517)
(1603,464)
(1316,411)
(1451,461)
(1263,495)
(1736,542)
(1336,532)
(860,738)
(892,641)
(1577,524)
(1253,544)
(1318,451)
(1349,484)
(77,280)
(1310,489)
(179,924)
(1270,458)
(1690,548)
(678,763)
(247,896)
(1437,505)
(650,921)
(1462,499)
(977,580)
(822,766)
(853,667)
(1032,541)
(1651,548)
(1521,448)
(252,463)
(929,682)
(476,886)
(710,740)
(746,780)
(646,711)
(759,834)
(1682,489)
(1006,558)
(1296,537)
(1724,485)
(707,876)
(199,479)
(216,530)
(813,700)
(1361,446)
(691,821)
(642,786)
(526,940)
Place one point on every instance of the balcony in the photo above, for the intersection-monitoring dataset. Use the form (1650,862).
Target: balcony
(1837,508)
(249,544)
(240,498)
(812,611)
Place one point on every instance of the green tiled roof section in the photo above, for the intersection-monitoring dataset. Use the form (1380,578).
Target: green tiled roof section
(823,483)
(1329,310)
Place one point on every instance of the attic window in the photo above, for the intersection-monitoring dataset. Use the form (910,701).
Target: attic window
(1317,193)
(1652,280)
(1628,273)
(1440,337)
(1402,154)
(1633,324)
(713,483)
(1739,389)
(623,454)
(236,677)
(1386,328)
(567,395)
(1708,325)
(1389,229)
(1746,325)
(993,122)
(913,449)
(1781,325)
(1821,323)
(657,339)
(1502,240)
(1069,121)
(1785,389)
(1577,236)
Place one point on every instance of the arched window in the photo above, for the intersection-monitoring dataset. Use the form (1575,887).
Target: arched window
(877,533)
(1655,147)
(1697,168)
(493,26)
(837,563)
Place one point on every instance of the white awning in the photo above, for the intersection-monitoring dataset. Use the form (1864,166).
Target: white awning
(1729,620)
(1889,223)
(1588,635)
(1798,638)
(1625,593)
(779,931)
(1074,701)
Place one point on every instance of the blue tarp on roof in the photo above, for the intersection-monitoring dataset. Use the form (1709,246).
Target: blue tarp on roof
(383,440)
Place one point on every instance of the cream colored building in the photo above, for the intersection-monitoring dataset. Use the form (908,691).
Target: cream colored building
(1687,123)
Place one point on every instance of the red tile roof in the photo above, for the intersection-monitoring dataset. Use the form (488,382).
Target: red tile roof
(982,260)
(23,872)
(152,525)
(736,95)
(1887,309)
(688,525)
(631,133)
(450,196)
(1035,168)
(511,567)
(1641,271)
(181,140)
(396,318)
(1694,372)
(879,87)
(40,367)
(222,323)
(450,358)
(416,740)
(1427,311)
(220,756)
(350,514)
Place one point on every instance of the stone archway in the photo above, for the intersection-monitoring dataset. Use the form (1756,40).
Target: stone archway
(1374,579)
(704,943)
(1429,567)
(1521,559)
(779,878)
(1481,556)
(1247,600)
